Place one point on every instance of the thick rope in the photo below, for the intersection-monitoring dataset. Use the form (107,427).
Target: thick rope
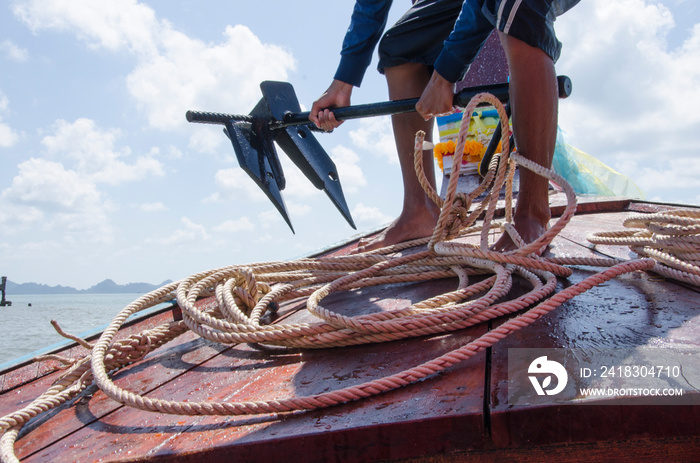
(671,238)
(244,295)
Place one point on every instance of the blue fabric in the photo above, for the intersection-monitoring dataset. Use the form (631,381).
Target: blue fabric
(531,21)
(366,26)
(527,20)
(468,36)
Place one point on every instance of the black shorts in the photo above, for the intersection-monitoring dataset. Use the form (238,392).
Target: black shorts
(417,37)
(531,21)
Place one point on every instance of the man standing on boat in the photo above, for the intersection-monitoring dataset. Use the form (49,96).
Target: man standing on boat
(423,55)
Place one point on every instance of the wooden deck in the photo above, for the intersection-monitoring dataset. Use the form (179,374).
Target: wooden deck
(462,414)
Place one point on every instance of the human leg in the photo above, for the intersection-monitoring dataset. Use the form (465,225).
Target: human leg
(534,101)
(419,213)
(406,54)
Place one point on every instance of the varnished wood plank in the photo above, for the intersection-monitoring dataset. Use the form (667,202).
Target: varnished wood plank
(580,226)
(632,310)
(453,401)
(158,368)
(447,407)
(635,451)
(142,432)
(648,206)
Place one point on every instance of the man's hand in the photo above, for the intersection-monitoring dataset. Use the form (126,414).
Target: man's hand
(437,97)
(337,96)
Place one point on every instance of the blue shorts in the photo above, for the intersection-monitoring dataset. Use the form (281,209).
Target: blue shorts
(419,36)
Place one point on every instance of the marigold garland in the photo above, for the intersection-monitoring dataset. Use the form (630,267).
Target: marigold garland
(473,151)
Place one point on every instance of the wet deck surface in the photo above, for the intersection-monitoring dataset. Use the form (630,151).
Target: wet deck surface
(463,412)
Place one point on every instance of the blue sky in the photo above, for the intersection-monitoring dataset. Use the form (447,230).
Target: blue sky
(102,177)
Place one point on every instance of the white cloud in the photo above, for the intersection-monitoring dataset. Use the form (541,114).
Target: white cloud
(13,52)
(61,193)
(95,155)
(298,210)
(370,215)
(209,140)
(348,164)
(190,232)
(235,184)
(266,239)
(46,194)
(376,136)
(153,207)
(634,98)
(632,94)
(114,25)
(174,152)
(297,185)
(677,173)
(50,185)
(271,218)
(234,226)
(174,73)
(16,217)
(8,137)
(189,74)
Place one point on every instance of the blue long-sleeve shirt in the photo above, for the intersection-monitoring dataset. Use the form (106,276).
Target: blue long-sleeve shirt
(366,27)
(369,19)
(474,24)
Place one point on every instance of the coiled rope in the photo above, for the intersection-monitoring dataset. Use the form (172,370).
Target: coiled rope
(245,294)
(671,238)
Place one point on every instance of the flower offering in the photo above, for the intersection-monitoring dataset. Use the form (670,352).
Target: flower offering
(481,128)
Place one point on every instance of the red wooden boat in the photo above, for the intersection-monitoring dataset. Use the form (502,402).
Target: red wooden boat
(463,413)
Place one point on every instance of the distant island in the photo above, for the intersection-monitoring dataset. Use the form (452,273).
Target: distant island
(105,287)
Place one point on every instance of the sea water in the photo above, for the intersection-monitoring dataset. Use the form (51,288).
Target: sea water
(26,330)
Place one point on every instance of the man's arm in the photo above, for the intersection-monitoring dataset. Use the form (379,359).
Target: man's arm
(366,26)
(461,47)
(437,97)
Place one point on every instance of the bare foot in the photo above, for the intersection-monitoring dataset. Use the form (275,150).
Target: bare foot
(529,230)
(405,228)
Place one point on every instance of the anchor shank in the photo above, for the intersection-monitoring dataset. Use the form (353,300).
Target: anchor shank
(387,108)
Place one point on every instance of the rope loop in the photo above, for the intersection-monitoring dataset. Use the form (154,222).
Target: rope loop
(671,238)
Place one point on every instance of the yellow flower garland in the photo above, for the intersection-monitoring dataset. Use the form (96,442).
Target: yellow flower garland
(473,151)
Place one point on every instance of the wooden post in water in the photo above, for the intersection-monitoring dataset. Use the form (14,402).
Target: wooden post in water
(3,302)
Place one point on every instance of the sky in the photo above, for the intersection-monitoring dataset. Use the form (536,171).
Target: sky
(102,177)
